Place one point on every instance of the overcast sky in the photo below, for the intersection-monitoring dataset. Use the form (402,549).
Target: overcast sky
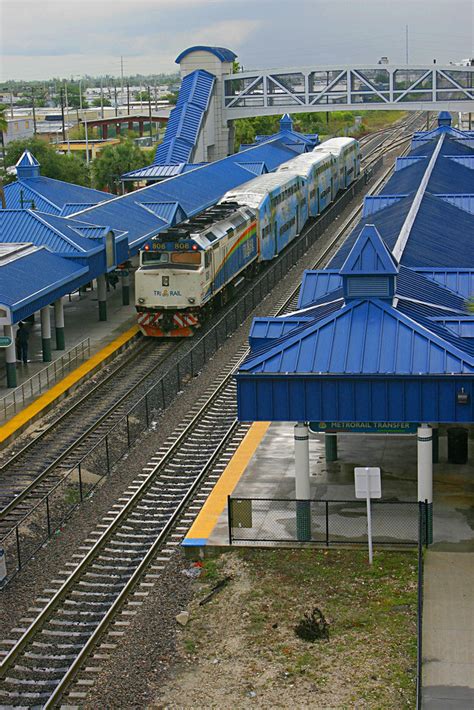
(46,38)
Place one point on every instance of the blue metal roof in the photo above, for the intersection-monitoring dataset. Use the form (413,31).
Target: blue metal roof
(73,207)
(463,202)
(317,284)
(363,337)
(170,212)
(50,195)
(35,278)
(437,223)
(185,119)
(407,160)
(460,281)
(447,176)
(255,168)
(375,203)
(160,172)
(50,231)
(27,160)
(225,55)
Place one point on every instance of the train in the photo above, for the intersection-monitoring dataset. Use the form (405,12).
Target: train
(191,269)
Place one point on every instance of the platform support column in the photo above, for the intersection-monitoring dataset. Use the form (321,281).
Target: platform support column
(10,357)
(330,445)
(125,287)
(425,480)
(435,434)
(302,483)
(102,296)
(59,324)
(46,334)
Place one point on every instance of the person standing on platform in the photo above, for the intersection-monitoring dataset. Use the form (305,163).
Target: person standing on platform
(22,340)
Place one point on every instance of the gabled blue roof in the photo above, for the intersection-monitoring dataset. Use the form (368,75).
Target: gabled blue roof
(364,337)
(55,233)
(225,55)
(50,195)
(317,284)
(73,207)
(369,255)
(35,278)
(27,160)
(170,212)
(255,168)
(160,172)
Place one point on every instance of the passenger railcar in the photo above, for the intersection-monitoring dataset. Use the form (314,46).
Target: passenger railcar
(189,270)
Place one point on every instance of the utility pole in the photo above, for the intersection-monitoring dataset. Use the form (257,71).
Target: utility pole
(156,104)
(67,118)
(115,94)
(33,107)
(11,104)
(101,98)
(149,115)
(61,94)
(85,122)
(406,43)
(121,78)
(128,98)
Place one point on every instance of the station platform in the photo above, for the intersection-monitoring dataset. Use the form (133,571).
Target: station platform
(264,467)
(40,384)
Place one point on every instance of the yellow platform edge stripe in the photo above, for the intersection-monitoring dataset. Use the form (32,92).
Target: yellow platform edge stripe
(23,417)
(217,501)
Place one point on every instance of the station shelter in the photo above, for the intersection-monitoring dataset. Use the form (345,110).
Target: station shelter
(364,350)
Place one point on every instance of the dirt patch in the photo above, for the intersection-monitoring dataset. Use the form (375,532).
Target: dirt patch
(240,649)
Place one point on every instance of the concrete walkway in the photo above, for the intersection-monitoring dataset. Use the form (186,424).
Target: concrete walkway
(448,631)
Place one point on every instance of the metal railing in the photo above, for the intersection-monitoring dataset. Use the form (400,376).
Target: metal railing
(322,522)
(32,387)
(46,518)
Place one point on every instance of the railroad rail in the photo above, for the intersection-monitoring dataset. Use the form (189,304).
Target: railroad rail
(29,473)
(90,605)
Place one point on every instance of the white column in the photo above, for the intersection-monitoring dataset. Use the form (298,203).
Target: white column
(425,479)
(46,333)
(59,323)
(302,486)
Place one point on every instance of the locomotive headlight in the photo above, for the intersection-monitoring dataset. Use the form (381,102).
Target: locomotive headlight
(191,300)
(141,300)
(165,280)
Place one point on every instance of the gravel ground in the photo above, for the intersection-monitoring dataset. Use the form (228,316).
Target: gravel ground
(50,560)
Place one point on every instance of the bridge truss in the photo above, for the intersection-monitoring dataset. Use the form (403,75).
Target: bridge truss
(389,87)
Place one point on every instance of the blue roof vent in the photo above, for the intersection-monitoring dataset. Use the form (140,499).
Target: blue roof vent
(27,166)
(286,124)
(444,118)
(370,270)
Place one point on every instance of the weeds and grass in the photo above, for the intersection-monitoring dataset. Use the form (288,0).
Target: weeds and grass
(371,611)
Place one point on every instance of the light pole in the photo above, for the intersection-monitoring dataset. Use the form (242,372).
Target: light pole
(84,120)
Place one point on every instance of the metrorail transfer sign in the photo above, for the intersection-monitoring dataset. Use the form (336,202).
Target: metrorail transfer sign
(363,427)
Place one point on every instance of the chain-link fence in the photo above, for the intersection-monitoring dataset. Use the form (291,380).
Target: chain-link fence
(323,522)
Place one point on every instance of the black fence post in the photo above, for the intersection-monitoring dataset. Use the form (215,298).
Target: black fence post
(327,523)
(147,412)
(18,547)
(107,453)
(229,518)
(80,482)
(48,520)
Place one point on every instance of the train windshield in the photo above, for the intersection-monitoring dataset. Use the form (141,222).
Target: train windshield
(157,258)
(191,258)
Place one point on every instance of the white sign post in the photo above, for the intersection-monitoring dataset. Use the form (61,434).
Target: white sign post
(368,485)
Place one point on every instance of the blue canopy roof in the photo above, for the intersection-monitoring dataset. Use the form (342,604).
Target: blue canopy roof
(49,195)
(32,277)
(225,55)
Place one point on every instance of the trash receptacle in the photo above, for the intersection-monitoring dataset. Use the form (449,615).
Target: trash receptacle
(457,445)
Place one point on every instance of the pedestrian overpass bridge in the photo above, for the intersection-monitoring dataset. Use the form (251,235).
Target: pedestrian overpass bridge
(339,88)
(212,96)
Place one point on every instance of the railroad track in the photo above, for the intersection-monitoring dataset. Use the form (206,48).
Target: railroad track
(33,471)
(57,652)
